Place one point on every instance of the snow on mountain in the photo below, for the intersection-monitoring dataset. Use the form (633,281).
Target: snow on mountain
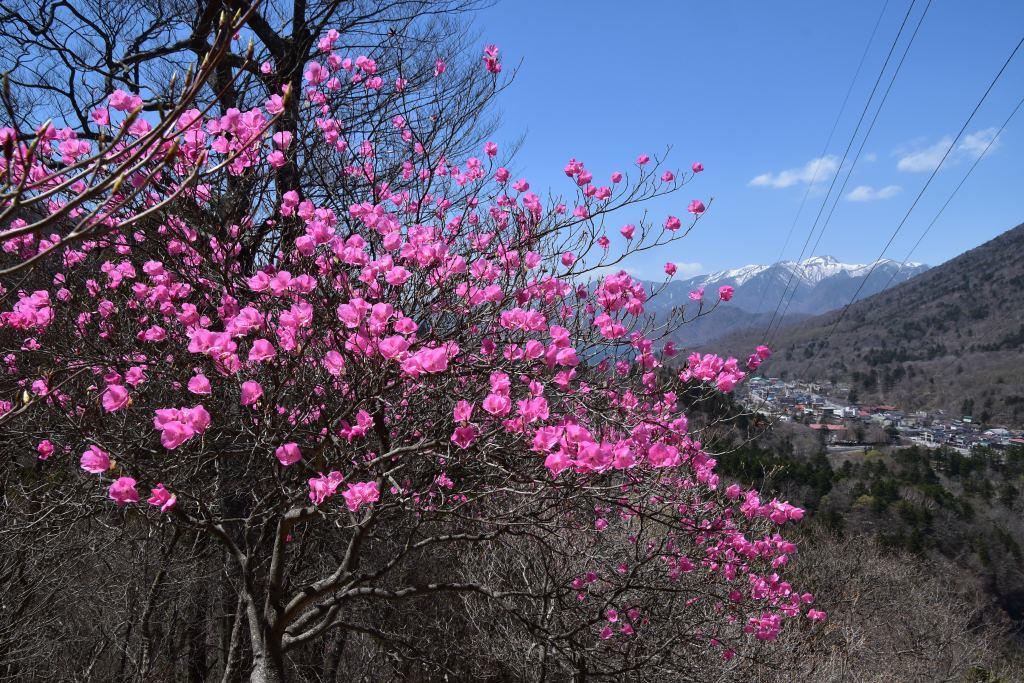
(739,275)
(808,287)
(810,271)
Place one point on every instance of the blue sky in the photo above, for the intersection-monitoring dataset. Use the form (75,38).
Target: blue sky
(751,90)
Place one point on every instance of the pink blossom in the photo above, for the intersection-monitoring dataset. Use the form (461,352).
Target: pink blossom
(178,425)
(393,347)
(497,405)
(761,354)
(359,494)
(725,292)
(123,491)
(491,59)
(199,384)
(282,139)
(397,276)
(100,116)
(95,460)
(427,360)
(670,269)
(463,411)
(697,167)
(464,436)
(251,392)
(696,207)
(162,498)
(122,101)
(45,449)
(557,462)
(115,397)
(334,362)
(323,487)
(261,350)
(175,433)
(660,455)
(288,454)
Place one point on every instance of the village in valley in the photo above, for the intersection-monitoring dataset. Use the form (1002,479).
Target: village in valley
(842,422)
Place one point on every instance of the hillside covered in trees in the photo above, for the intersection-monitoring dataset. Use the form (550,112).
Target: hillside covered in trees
(947,525)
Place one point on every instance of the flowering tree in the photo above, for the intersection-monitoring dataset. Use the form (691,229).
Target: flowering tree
(405,394)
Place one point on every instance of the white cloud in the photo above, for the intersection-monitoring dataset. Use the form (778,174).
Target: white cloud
(814,171)
(866,193)
(927,159)
(973,145)
(870,157)
(689,269)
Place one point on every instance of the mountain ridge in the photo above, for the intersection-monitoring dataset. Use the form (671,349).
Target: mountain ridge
(813,269)
(811,286)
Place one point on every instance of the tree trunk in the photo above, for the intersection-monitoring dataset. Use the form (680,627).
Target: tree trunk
(196,634)
(332,657)
(268,668)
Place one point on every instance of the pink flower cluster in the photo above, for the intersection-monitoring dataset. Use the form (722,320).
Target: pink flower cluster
(178,425)
(31,311)
(359,494)
(491,59)
(724,374)
(323,487)
(760,355)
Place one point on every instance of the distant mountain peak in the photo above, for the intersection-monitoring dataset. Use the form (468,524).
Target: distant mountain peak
(809,287)
(740,275)
(811,270)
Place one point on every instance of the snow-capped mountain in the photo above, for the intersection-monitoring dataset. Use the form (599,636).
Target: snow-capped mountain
(808,287)
(811,270)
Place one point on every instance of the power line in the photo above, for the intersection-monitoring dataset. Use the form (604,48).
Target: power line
(953,359)
(981,156)
(853,136)
(953,194)
(860,150)
(928,182)
(828,142)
